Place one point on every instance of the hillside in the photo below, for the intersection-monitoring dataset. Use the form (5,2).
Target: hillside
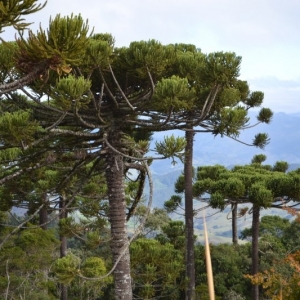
(284,132)
(209,150)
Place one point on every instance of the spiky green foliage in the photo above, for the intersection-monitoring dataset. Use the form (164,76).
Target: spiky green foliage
(101,103)
(176,92)
(7,51)
(173,233)
(12,12)
(81,275)
(93,267)
(143,55)
(231,120)
(25,262)
(68,227)
(261,140)
(223,68)
(260,196)
(63,45)
(258,159)
(10,154)
(71,92)
(99,50)
(17,128)
(67,268)
(171,147)
(172,204)
(281,166)
(156,269)
(250,183)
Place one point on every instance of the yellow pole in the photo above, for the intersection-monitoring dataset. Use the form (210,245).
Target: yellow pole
(210,279)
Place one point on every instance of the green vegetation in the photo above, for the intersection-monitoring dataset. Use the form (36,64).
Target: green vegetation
(76,118)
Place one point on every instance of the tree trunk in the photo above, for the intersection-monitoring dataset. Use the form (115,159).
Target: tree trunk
(117,217)
(189,216)
(63,245)
(43,213)
(234,208)
(43,222)
(255,260)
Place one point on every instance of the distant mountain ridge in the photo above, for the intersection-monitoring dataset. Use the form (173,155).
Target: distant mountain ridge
(284,132)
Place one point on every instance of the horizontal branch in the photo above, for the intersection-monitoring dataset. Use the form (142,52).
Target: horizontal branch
(39,69)
(74,133)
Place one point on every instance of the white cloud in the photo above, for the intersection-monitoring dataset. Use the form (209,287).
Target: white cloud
(275,83)
(265,33)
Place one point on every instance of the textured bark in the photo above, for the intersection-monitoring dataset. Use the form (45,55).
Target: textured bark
(189,216)
(255,259)
(234,224)
(43,222)
(43,213)
(117,218)
(63,246)
(63,291)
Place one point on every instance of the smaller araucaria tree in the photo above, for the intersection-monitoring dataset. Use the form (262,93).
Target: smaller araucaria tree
(263,186)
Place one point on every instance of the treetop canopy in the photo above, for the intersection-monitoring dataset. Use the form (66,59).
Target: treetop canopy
(12,12)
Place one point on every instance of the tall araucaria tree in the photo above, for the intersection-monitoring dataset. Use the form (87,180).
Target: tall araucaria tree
(88,115)
(98,97)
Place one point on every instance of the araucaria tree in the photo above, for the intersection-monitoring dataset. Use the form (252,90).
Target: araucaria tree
(263,186)
(85,101)
(227,101)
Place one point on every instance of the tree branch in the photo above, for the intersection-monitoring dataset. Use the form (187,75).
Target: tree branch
(9,87)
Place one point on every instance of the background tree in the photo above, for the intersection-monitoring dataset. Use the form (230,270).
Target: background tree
(261,185)
(278,285)
(269,225)
(278,274)
(157,219)
(156,269)
(221,103)
(19,275)
(80,276)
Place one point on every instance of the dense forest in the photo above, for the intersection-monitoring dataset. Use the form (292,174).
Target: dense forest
(77,117)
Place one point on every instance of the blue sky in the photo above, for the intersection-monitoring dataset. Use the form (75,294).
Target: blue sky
(265,33)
